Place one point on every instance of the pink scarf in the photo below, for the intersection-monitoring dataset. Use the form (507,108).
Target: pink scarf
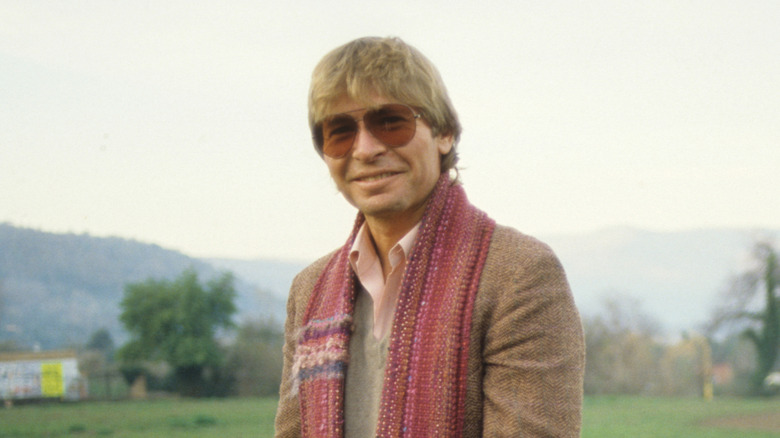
(425,375)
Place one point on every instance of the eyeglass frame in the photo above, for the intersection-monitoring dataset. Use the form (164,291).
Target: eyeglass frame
(318,127)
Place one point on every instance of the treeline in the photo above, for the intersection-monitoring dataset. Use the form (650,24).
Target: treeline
(732,354)
(183,338)
(251,366)
(626,354)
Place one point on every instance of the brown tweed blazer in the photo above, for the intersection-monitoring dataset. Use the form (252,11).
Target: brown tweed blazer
(527,352)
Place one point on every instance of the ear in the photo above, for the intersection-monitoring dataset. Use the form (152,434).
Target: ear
(444,143)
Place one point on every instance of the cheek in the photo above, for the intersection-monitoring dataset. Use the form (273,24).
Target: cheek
(434,162)
(335,168)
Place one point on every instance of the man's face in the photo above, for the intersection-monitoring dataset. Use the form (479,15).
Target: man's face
(388,183)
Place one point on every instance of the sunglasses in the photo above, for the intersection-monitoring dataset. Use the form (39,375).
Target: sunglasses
(393,124)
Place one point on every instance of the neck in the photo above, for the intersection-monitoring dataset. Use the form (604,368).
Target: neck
(389,228)
(386,233)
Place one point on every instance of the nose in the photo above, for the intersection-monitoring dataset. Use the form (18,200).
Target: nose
(366,147)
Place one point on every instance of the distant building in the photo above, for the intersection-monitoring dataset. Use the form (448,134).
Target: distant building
(37,375)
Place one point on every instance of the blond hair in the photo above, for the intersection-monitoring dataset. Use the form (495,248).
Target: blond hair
(393,69)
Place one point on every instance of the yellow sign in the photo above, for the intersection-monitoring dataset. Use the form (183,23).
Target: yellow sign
(52,384)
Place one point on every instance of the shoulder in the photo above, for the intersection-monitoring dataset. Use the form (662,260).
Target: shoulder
(512,251)
(520,271)
(523,288)
(301,288)
(309,275)
(527,348)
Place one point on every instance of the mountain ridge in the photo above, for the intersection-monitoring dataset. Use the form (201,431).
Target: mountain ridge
(677,276)
(58,288)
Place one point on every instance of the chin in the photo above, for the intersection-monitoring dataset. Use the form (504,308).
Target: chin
(379,209)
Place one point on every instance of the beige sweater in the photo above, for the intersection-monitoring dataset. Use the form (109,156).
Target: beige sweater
(526,356)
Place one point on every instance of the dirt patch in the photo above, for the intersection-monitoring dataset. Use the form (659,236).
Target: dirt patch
(768,421)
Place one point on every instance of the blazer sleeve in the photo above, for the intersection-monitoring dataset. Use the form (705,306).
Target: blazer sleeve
(288,416)
(288,419)
(533,345)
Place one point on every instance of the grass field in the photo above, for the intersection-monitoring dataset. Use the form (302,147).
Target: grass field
(227,418)
(639,417)
(209,418)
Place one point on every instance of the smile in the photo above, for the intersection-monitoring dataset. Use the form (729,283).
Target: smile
(375,177)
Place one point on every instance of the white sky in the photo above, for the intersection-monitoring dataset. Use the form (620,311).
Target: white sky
(183,123)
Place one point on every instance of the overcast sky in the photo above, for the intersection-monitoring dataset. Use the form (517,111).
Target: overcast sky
(183,123)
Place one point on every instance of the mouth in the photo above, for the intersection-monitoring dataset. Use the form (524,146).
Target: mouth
(376,177)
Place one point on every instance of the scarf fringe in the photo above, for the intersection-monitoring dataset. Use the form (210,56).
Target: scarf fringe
(321,361)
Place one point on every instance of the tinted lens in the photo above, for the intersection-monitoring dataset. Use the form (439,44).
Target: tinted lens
(338,134)
(394,125)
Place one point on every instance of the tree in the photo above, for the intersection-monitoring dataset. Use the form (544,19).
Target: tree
(759,314)
(102,342)
(686,367)
(734,354)
(177,322)
(621,353)
(254,361)
(766,335)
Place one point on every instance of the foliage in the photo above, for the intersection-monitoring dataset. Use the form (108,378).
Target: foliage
(736,354)
(621,353)
(58,289)
(753,300)
(254,361)
(177,322)
(686,368)
(766,336)
(102,342)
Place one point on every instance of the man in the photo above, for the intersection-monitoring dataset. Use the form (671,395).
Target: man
(431,320)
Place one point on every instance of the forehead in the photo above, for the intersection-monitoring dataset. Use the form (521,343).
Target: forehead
(345,104)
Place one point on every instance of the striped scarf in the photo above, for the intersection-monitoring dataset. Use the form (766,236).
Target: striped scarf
(424,387)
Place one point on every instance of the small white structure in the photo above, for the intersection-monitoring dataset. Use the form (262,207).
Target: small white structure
(773,380)
(52,374)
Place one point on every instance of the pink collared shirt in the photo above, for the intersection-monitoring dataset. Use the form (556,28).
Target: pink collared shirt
(384,292)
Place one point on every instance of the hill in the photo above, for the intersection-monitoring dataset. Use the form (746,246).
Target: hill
(57,289)
(275,276)
(676,277)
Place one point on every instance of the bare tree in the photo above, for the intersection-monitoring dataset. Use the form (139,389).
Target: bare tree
(621,349)
(752,303)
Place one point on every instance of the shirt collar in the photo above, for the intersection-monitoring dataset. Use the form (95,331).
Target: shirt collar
(362,255)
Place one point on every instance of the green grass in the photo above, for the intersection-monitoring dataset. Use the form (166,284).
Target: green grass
(217,418)
(108,387)
(634,417)
(654,417)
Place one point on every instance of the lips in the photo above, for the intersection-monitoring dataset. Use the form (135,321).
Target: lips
(374,176)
